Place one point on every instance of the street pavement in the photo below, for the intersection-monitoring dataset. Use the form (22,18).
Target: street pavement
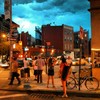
(33,86)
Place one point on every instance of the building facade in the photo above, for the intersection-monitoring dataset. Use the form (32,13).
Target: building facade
(5,30)
(85,44)
(38,36)
(59,37)
(95,28)
(27,39)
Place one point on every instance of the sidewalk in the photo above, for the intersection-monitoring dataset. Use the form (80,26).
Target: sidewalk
(34,86)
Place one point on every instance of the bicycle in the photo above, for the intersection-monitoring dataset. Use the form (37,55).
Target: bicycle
(90,82)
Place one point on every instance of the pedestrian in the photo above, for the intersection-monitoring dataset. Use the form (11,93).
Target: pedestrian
(40,64)
(14,71)
(51,64)
(61,66)
(95,62)
(66,65)
(35,67)
(26,70)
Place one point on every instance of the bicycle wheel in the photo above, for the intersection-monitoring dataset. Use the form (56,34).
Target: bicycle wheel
(71,83)
(92,83)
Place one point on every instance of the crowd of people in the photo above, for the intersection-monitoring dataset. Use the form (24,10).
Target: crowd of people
(38,63)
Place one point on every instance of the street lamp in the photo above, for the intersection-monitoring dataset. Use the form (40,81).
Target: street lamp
(10,34)
(46,47)
(81,36)
(52,51)
(2,36)
(42,49)
(26,51)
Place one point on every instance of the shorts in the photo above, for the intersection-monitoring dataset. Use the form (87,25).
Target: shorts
(35,72)
(26,70)
(51,72)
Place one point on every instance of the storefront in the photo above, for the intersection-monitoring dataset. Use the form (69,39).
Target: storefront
(96,63)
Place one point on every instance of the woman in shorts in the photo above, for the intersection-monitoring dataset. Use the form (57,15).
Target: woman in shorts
(51,72)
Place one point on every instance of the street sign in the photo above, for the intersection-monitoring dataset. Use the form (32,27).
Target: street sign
(12,39)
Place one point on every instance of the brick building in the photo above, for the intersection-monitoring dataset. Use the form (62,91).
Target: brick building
(85,44)
(59,37)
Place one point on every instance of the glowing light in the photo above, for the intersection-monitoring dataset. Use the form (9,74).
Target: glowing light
(93,49)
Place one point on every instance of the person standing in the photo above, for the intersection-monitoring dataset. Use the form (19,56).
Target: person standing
(40,63)
(34,67)
(66,65)
(26,70)
(14,71)
(51,72)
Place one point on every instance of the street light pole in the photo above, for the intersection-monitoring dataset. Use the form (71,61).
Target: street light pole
(80,62)
(46,57)
(11,52)
(81,35)
(47,44)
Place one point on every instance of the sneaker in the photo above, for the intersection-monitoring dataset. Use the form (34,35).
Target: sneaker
(64,96)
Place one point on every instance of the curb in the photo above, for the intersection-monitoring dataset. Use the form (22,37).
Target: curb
(93,94)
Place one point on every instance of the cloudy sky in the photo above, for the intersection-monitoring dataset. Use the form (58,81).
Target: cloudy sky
(31,13)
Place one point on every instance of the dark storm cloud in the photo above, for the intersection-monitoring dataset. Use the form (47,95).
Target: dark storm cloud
(27,1)
(71,5)
(40,1)
(1,6)
(58,3)
(1,2)
(31,13)
(21,1)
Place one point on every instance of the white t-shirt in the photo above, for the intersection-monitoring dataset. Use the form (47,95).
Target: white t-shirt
(25,64)
(34,65)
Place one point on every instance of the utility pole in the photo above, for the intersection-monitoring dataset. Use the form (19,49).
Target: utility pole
(80,63)
(81,36)
(11,51)
(8,14)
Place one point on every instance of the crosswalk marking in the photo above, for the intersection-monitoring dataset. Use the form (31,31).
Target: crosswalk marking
(13,95)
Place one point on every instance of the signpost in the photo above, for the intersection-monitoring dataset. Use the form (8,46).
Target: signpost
(81,34)
(8,14)
(46,45)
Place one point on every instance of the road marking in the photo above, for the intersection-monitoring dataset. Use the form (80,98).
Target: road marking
(13,95)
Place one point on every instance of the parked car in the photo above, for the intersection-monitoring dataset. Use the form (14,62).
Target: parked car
(58,61)
(74,62)
(77,62)
(4,65)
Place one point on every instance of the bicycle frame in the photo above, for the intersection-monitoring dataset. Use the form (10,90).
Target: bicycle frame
(90,82)
(82,79)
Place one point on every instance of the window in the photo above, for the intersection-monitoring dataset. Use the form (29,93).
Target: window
(65,39)
(70,46)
